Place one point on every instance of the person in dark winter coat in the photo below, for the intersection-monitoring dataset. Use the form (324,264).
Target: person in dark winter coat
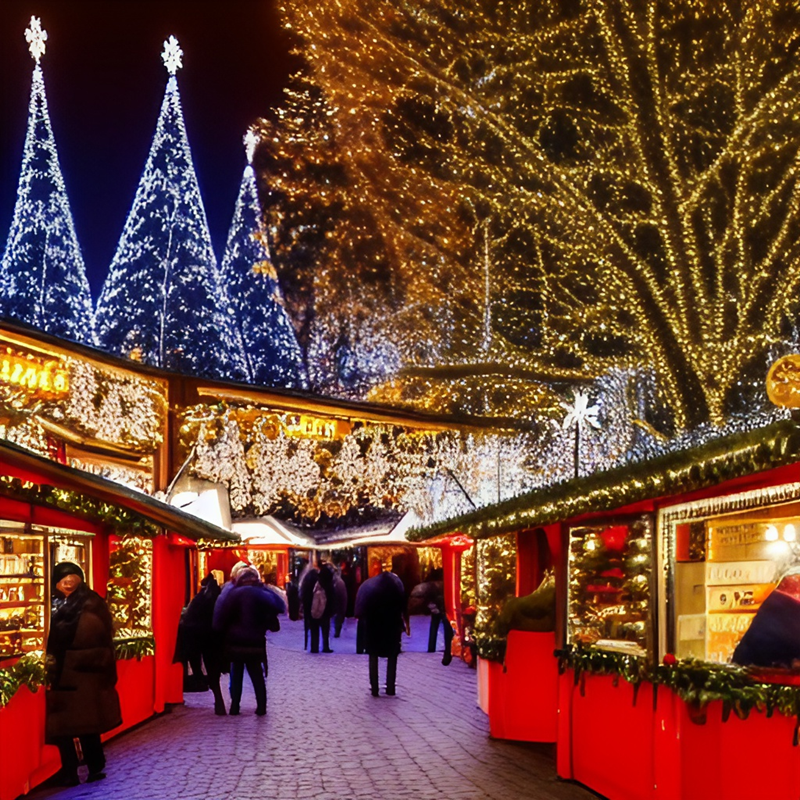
(195,635)
(243,618)
(322,622)
(198,643)
(340,609)
(81,667)
(381,604)
(434,598)
(308,580)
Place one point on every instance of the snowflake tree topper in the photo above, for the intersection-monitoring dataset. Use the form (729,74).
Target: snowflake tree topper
(36,37)
(172,55)
(580,413)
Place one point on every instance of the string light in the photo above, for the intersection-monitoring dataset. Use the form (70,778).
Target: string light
(42,275)
(163,301)
(631,166)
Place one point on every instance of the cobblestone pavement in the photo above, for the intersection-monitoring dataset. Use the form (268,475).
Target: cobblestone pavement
(326,737)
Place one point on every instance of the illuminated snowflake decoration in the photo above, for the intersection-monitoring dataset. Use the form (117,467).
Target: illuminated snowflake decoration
(580,413)
(36,37)
(172,55)
(251,140)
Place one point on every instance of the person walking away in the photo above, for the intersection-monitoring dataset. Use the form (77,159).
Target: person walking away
(438,611)
(323,605)
(381,604)
(308,580)
(243,618)
(292,598)
(81,698)
(340,608)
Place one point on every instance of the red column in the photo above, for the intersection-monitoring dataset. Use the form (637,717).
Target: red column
(167,604)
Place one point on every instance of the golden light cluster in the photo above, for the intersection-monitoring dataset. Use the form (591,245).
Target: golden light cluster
(615,183)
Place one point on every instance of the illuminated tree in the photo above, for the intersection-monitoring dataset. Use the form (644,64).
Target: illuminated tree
(632,168)
(331,253)
(271,351)
(163,301)
(43,279)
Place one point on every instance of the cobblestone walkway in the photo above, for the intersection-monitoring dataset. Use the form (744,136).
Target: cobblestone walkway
(326,737)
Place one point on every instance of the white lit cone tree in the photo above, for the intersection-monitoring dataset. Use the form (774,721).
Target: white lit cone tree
(163,301)
(43,279)
(270,345)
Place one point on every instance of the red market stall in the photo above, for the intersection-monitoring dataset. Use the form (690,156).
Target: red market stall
(673,578)
(133,551)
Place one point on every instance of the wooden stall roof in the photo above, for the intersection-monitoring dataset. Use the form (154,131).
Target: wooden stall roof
(187,390)
(19,462)
(673,474)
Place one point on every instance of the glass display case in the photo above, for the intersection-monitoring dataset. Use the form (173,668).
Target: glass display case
(27,556)
(610,573)
(22,591)
(732,566)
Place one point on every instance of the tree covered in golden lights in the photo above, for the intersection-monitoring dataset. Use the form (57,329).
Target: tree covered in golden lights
(550,187)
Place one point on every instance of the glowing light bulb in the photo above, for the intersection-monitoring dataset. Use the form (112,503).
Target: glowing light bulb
(771,534)
(789,533)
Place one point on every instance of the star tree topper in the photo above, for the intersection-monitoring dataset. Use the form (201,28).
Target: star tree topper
(251,140)
(36,37)
(172,55)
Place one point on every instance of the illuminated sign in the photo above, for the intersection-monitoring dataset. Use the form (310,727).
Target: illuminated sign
(33,374)
(311,427)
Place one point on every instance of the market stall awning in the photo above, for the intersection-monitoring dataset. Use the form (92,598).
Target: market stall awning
(17,462)
(723,459)
(390,529)
(268,531)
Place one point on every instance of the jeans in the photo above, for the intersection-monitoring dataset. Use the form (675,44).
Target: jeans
(255,669)
(436,620)
(391,674)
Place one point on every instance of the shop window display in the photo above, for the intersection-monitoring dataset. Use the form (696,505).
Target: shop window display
(27,556)
(736,581)
(129,587)
(609,586)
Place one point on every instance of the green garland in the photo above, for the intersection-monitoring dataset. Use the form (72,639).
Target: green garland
(673,474)
(137,647)
(29,670)
(697,683)
(121,519)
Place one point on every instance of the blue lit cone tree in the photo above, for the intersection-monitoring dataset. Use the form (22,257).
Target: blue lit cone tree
(43,278)
(163,301)
(271,351)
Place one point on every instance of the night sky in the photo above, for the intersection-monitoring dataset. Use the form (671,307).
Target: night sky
(105,81)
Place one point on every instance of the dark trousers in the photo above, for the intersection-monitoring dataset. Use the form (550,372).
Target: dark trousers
(391,674)
(255,669)
(317,625)
(93,755)
(436,620)
(361,637)
(213,684)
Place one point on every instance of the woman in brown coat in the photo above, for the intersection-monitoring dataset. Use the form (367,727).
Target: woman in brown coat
(81,668)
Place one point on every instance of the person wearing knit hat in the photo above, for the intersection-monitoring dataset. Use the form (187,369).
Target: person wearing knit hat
(81,699)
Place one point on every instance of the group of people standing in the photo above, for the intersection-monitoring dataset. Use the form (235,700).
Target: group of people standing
(226,627)
(223,629)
